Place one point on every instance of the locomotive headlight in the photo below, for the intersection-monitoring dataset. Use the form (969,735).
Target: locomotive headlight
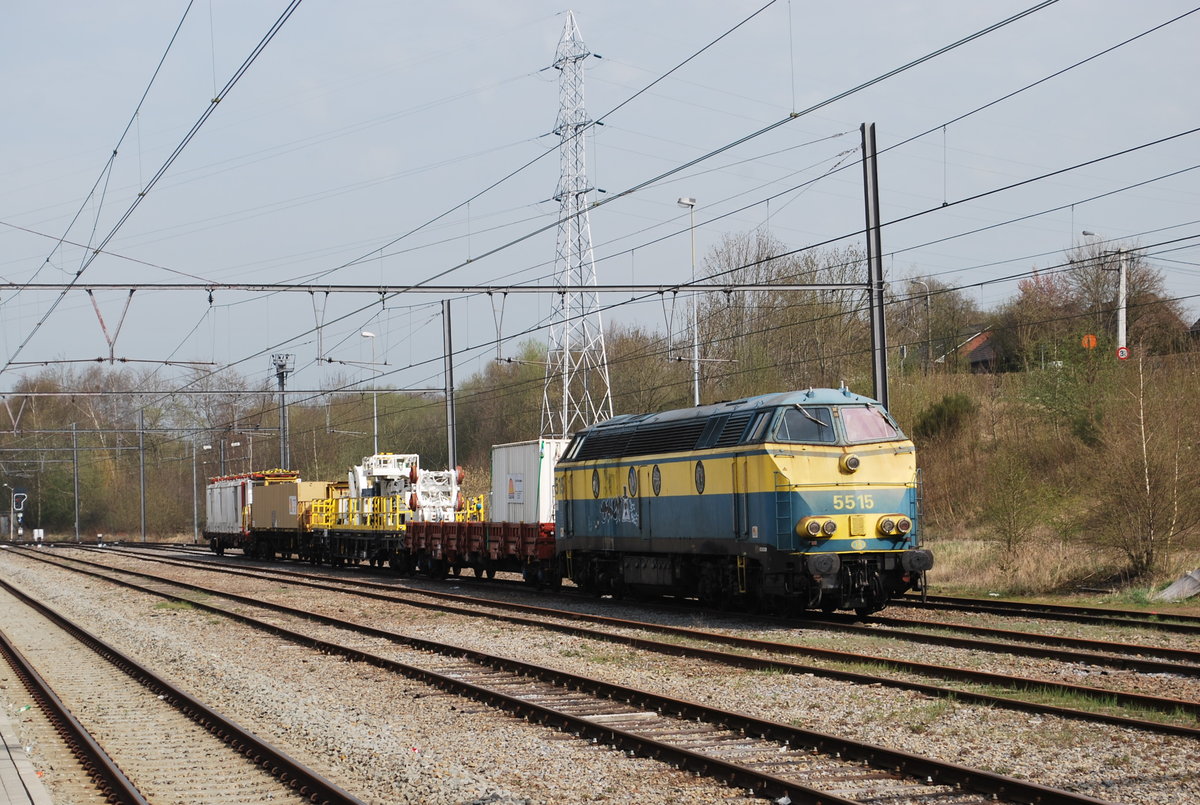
(813,528)
(828,528)
(904,525)
(887,525)
(849,463)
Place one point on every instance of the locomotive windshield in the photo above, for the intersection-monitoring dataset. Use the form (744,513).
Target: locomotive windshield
(815,425)
(867,424)
(810,425)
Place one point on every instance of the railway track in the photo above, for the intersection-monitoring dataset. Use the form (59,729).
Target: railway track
(767,655)
(1120,654)
(157,743)
(1166,622)
(774,760)
(1137,656)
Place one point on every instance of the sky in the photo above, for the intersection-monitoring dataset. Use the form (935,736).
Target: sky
(389,143)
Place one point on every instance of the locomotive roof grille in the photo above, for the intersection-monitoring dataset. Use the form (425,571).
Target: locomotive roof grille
(666,437)
(734,428)
(670,437)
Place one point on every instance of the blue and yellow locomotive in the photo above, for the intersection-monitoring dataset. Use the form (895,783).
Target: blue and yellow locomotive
(802,499)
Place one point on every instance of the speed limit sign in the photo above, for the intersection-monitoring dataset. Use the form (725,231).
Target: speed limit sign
(1122,353)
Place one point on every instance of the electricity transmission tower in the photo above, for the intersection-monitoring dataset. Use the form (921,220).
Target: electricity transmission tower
(576,392)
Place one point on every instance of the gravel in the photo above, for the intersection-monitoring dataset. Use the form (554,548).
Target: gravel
(395,740)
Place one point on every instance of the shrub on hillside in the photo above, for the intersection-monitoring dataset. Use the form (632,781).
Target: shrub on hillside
(945,417)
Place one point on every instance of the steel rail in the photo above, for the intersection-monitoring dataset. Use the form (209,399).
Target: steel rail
(1158,703)
(299,777)
(1130,656)
(1138,651)
(940,772)
(1160,621)
(105,774)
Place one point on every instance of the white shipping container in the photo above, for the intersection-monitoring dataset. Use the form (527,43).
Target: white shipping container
(225,499)
(523,480)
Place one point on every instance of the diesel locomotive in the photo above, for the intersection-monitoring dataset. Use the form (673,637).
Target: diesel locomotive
(797,500)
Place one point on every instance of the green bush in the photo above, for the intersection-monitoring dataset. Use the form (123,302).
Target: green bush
(945,417)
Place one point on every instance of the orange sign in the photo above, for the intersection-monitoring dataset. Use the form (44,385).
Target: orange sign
(1089,341)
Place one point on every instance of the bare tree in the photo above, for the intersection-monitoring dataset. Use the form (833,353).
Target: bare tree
(1149,483)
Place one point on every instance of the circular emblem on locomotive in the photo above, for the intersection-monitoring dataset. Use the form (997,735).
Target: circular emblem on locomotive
(699,477)
(656,480)
(633,481)
(859,545)
(595,483)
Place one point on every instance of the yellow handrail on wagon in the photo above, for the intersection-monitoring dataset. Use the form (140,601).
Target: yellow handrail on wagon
(384,513)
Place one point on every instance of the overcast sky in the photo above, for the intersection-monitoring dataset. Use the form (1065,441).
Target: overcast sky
(349,149)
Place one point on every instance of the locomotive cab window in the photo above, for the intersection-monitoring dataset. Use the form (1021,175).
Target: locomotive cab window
(867,424)
(758,430)
(806,425)
(572,448)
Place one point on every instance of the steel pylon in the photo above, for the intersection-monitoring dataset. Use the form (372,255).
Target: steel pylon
(576,392)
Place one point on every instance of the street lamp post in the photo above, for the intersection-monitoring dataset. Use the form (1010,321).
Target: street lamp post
(690,203)
(374,394)
(928,326)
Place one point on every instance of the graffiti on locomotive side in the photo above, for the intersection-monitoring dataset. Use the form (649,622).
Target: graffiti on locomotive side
(619,510)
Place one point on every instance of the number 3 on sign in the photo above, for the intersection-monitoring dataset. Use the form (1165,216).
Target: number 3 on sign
(852,502)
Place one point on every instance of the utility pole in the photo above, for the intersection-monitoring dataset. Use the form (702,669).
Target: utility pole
(12,511)
(1122,294)
(875,266)
(283,364)
(576,360)
(1122,290)
(195,503)
(142,466)
(451,438)
(75,473)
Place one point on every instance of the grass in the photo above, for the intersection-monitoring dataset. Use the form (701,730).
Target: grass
(600,655)
(1047,569)
(173,605)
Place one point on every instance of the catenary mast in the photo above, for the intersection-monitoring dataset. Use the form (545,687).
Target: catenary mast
(576,392)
